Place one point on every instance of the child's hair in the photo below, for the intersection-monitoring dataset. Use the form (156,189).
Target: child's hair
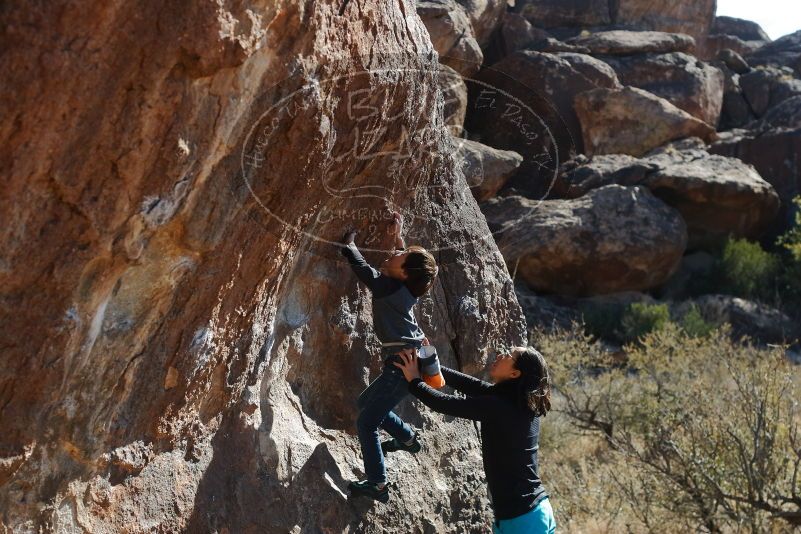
(421,270)
(534,382)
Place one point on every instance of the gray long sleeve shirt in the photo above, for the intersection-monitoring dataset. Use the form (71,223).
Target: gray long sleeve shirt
(393,303)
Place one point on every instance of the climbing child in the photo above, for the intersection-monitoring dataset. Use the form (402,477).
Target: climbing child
(395,286)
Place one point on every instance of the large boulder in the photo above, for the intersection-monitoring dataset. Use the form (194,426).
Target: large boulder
(766,87)
(451,34)
(485,168)
(739,35)
(747,30)
(775,155)
(561,13)
(754,320)
(690,17)
(182,342)
(625,42)
(485,17)
(613,239)
(681,79)
(783,52)
(716,195)
(515,33)
(542,87)
(581,175)
(454,94)
(632,121)
(735,111)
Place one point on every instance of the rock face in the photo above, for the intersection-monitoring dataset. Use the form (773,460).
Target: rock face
(485,168)
(451,34)
(546,84)
(783,52)
(715,195)
(182,345)
(746,318)
(556,13)
(776,155)
(767,87)
(687,83)
(632,121)
(624,42)
(691,17)
(485,17)
(613,239)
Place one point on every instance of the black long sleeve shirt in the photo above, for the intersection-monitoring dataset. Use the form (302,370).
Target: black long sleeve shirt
(509,437)
(393,303)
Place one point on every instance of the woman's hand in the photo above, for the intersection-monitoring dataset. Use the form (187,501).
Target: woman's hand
(409,365)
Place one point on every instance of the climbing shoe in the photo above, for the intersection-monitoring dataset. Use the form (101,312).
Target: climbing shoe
(393,445)
(369,489)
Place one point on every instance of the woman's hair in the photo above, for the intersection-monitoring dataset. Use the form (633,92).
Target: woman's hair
(534,382)
(421,270)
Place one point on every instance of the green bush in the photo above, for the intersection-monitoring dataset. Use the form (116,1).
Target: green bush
(602,320)
(791,278)
(694,325)
(747,271)
(692,435)
(640,319)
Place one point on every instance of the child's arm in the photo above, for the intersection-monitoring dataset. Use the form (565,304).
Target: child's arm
(465,383)
(379,284)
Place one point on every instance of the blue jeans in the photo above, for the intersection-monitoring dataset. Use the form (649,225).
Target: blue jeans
(540,520)
(375,411)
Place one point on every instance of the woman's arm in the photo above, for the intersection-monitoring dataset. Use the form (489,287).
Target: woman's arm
(465,383)
(475,408)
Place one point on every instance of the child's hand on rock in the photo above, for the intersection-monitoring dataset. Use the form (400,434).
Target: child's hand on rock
(409,365)
(349,236)
(396,226)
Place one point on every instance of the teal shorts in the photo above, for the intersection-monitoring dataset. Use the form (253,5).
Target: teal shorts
(539,520)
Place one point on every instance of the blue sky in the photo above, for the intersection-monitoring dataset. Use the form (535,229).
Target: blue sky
(777,17)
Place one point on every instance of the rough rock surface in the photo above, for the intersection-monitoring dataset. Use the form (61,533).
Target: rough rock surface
(783,52)
(776,155)
(454,93)
(684,81)
(746,318)
(632,121)
(175,356)
(485,17)
(451,34)
(546,84)
(556,13)
(515,33)
(691,17)
(625,42)
(741,36)
(746,30)
(715,195)
(766,87)
(486,169)
(612,239)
